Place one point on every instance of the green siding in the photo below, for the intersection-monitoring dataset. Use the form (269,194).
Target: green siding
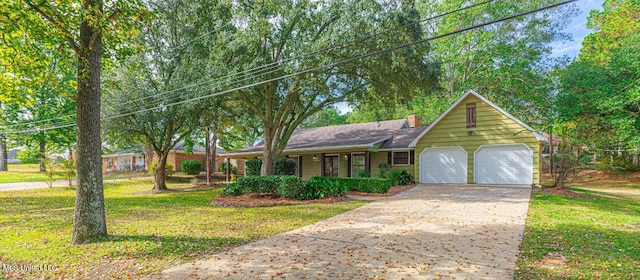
(312,167)
(492,127)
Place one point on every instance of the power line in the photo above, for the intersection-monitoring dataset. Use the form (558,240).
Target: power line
(355,58)
(270,67)
(259,70)
(462,30)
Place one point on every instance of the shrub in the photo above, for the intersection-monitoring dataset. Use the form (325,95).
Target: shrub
(252,167)
(284,166)
(191,167)
(321,187)
(168,169)
(367,185)
(364,174)
(384,168)
(260,184)
(233,169)
(404,179)
(400,178)
(289,186)
(234,189)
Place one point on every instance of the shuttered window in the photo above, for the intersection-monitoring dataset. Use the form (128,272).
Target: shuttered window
(471,115)
(400,158)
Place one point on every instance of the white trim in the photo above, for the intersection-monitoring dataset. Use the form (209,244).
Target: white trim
(402,151)
(351,165)
(533,168)
(325,161)
(471,92)
(420,179)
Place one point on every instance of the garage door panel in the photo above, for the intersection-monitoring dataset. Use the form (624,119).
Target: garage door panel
(443,166)
(503,164)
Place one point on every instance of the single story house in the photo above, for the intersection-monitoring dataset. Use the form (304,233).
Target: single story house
(138,160)
(474,141)
(132,160)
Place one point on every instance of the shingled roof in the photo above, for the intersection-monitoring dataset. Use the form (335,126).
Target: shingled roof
(393,134)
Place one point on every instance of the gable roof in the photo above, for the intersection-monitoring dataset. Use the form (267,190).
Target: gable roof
(538,136)
(392,134)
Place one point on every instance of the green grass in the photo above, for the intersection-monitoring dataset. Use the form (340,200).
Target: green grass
(599,238)
(25,173)
(148,232)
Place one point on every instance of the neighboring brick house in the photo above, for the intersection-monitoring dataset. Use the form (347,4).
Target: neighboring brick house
(140,161)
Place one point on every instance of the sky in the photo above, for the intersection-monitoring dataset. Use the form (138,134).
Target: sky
(577,27)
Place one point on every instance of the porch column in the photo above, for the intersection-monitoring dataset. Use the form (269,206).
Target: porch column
(228,170)
(322,173)
(367,162)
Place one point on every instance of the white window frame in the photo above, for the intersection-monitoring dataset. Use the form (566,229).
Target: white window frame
(401,164)
(353,174)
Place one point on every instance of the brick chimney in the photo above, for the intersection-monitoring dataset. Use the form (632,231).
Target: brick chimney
(414,120)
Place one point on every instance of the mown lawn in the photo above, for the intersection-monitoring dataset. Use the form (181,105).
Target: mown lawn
(25,173)
(31,173)
(595,237)
(148,232)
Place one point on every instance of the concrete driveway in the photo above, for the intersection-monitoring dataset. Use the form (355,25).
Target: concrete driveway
(428,232)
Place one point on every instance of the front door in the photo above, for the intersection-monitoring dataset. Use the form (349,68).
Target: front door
(331,164)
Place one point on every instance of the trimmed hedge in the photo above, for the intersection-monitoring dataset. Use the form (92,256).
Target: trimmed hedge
(321,187)
(290,186)
(191,167)
(317,187)
(233,189)
(259,184)
(284,166)
(367,185)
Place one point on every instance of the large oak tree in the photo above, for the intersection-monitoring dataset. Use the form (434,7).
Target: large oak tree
(280,33)
(81,26)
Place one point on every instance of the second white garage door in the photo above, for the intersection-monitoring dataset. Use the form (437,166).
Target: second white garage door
(443,165)
(503,164)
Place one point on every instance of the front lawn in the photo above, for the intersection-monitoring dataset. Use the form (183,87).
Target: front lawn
(592,237)
(25,173)
(149,232)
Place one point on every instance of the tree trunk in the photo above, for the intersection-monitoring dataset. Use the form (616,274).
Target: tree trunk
(89,222)
(208,156)
(160,177)
(4,157)
(268,167)
(43,167)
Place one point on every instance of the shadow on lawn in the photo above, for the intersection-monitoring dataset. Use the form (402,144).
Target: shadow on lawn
(181,247)
(611,204)
(588,252)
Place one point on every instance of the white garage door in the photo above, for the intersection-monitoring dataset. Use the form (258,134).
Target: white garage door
(503,164)
(443,165)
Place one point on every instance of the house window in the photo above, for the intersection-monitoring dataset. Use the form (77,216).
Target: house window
(471,115)
(400,158)
(357,164)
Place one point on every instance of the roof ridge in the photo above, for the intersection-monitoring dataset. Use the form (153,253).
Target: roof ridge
(351,124)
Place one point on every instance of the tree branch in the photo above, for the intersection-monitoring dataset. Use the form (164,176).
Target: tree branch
(58,24)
